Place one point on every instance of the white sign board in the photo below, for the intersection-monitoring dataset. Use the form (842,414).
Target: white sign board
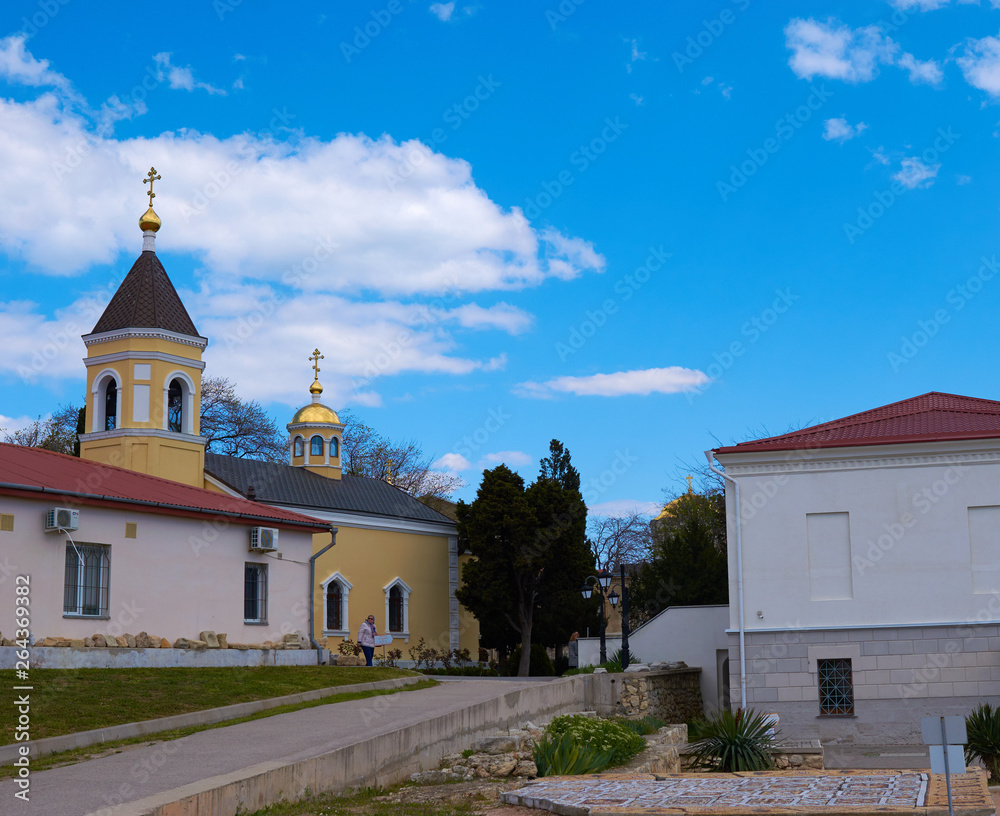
(954,731)
(956,759)
(383,640)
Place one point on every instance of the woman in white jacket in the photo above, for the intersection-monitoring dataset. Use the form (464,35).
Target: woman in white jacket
(366,638)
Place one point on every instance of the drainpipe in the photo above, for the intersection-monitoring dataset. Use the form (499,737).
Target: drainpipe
(312,597)
(739,578)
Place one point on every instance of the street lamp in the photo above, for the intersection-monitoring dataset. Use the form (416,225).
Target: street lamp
(603,583)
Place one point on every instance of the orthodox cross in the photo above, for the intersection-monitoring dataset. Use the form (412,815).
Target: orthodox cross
(314,359)
(689,482)
(150,178)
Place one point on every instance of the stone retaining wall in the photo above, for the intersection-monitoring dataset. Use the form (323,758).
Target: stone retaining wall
(53,657)
(673,695)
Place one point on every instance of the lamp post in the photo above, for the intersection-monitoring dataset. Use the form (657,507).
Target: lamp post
(602,581)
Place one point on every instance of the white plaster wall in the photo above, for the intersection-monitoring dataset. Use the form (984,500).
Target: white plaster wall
(180,576)
(693,634)
(909,527)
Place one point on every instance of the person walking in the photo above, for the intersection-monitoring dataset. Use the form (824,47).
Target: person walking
(366,638)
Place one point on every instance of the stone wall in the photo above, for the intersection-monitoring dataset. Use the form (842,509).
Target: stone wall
(673,695)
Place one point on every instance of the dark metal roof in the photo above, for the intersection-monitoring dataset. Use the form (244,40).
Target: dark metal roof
(932,417)
(34,473)
(146,299)
(287,485)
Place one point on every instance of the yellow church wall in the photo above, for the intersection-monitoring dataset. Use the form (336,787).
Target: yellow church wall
(142,344)
(179,460)
(371,559)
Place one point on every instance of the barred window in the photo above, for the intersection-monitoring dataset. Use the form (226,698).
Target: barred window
(395,609)
(836,687)
(334,605)
(255,593)
(88,571)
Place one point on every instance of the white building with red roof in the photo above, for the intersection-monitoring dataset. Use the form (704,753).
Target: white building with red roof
(865,569)
(98,549)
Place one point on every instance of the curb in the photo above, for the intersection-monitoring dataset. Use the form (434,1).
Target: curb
(83,739)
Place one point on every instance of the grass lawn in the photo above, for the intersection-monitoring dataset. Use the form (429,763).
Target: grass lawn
(377,802)
(68,700)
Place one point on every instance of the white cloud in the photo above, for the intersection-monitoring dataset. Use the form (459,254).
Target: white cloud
(10,425)
(443,11)
(927,72)
(512,459)
(181,77)
(981,64)
(502,316)
(914,173)
(841,130)
(252,206)
(19,66)
(624,507)
(636,55)
(835,51)
(453,462)
(963,180)
(639,100)
(920,5)
(880,156)
(670,380)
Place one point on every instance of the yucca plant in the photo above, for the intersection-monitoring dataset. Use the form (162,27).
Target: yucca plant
(642,726)
(982,727)
(735,742)
(563,755)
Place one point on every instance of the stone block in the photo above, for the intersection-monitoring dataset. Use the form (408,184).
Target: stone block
(182,643)
(88,642)
(121,642)
(130,640)
(210,639)
(98,640)
(197,644)
(890,662)
(77,644)
(526,768)
(223,640)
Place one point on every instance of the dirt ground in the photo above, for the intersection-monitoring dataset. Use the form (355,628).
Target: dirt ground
(482,794)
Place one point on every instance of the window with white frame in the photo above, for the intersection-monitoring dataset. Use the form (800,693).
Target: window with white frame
(88,574)
(107,401)
(299,447)
(255,593)
(336,620)
(397,608)
(316,446)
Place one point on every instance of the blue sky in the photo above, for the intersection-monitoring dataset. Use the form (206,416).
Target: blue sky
(643,229)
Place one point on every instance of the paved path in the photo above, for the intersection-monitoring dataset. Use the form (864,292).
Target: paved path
(782,792)
(99,784)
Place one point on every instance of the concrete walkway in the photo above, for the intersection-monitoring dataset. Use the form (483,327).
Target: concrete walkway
(144,778)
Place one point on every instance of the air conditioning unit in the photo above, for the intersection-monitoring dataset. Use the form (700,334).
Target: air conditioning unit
(263,539)
(61,518)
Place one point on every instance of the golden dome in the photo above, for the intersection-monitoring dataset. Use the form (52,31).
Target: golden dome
(316,387)
(150,221)
(315,412)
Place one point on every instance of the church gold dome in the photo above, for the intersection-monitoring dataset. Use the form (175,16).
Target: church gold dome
(315,412)
(150,221)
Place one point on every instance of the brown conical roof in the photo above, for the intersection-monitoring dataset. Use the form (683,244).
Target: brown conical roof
(146,299)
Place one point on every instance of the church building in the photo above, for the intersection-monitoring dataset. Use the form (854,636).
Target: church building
(394,556)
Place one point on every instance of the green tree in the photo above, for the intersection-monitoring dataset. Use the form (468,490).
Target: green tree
(55,433)
(688,563)
(531,555)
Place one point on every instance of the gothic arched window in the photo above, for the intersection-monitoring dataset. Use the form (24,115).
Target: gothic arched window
(395,609)
(316,446)
(175,406)
(111,406)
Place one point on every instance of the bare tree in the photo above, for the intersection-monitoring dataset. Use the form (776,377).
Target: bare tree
(56,433)
(619,539)
(236,427)
(365,452)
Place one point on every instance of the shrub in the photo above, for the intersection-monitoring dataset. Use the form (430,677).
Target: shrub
(539,664)
(580,670)
(614,663)
(563,755)
(642,726)
(391,658)
(349,647)
(983,729)
(735,742)
(606,735)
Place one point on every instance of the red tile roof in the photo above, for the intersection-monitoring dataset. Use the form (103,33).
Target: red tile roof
(933,417)
(35,473)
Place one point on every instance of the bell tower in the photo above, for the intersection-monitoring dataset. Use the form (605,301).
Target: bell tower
(144,373)
(314,434)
